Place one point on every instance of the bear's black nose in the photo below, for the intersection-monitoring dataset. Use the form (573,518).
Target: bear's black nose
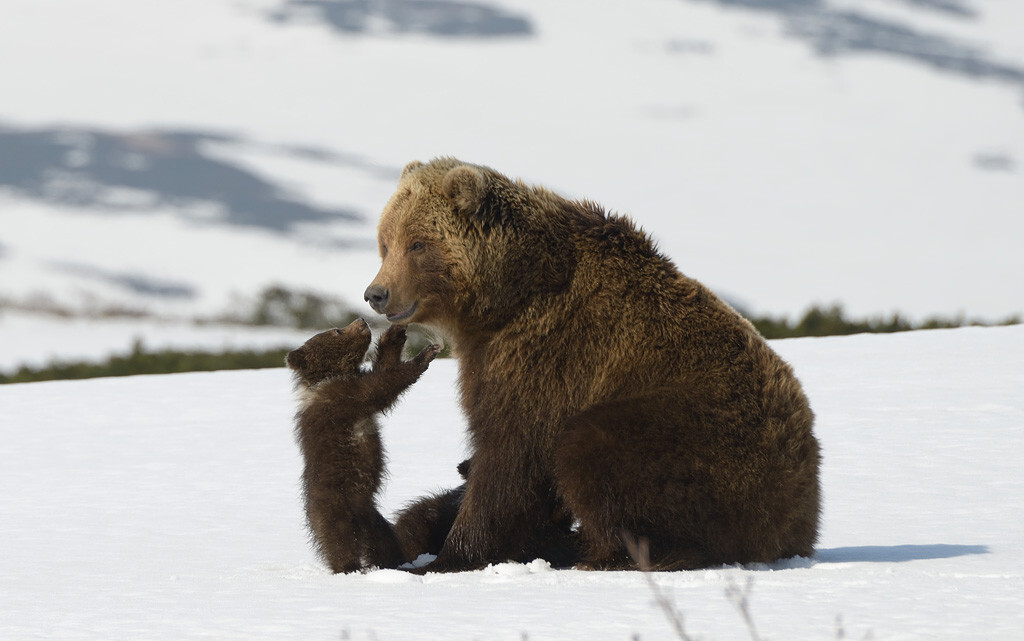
(377,297)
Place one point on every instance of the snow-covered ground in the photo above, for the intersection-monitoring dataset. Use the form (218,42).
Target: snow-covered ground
(167,507)
(173,155)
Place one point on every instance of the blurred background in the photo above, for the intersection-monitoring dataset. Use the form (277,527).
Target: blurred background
(206,175)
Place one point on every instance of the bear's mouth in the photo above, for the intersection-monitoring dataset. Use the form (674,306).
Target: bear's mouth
(403,315)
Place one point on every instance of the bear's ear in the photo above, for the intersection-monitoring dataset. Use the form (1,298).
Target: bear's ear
(411,167)
(296,359)
(466,187)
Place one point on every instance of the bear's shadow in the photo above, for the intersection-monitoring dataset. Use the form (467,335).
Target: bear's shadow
(896,553)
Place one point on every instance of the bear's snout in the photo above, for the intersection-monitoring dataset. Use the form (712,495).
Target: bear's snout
(377,297)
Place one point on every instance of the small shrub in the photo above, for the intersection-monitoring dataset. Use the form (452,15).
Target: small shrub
(832,321)
(282,307)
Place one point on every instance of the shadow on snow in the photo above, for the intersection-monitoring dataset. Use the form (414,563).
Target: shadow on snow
(145,170)
(896,553)
(833,31)
(442,18)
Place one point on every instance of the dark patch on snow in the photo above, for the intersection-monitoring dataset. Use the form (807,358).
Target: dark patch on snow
(896,553)
(832,31)
(138,284)
(954,8)
(442,18)
(995,161)
(688,46)
(146,170)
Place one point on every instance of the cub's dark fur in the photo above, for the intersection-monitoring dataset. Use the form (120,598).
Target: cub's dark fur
(338,434)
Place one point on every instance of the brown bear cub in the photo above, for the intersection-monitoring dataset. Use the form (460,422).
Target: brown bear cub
(603,388)
(339,437)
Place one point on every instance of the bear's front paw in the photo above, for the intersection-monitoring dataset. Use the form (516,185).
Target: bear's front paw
(426,355)
(416,365)
(448,565)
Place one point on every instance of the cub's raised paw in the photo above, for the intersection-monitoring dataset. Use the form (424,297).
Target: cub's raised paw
(389,348)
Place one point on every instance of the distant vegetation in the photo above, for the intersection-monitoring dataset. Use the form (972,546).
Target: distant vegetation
(283,307)
(832,321)
(143,361)
(279,306)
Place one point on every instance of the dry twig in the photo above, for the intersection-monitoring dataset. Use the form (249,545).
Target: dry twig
(640,550)
(739,597)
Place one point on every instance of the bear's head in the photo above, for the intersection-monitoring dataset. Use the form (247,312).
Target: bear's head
(464,249)
(330,354)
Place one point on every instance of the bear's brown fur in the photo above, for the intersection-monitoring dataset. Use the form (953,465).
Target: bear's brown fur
(598,382)
(338,435)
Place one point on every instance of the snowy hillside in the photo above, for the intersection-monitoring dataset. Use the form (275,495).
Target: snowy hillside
(167,507)
(179,156)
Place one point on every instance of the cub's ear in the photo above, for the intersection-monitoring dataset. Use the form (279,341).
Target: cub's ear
(296,359)
(411,167)
(466,187)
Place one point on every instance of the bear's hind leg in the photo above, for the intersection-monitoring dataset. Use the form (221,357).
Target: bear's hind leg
(422,527)
(608,474)
(353,537)
(381,547)
(335,533)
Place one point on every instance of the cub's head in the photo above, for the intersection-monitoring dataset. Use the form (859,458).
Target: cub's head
(463,247)
(336,352)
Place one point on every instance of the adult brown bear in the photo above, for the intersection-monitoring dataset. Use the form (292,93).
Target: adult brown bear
(603,388)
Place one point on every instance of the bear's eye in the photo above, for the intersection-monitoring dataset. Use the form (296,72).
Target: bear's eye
(415,247)
(383,249)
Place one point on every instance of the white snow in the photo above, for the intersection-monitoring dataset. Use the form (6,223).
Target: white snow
(779,176)
(167,507)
